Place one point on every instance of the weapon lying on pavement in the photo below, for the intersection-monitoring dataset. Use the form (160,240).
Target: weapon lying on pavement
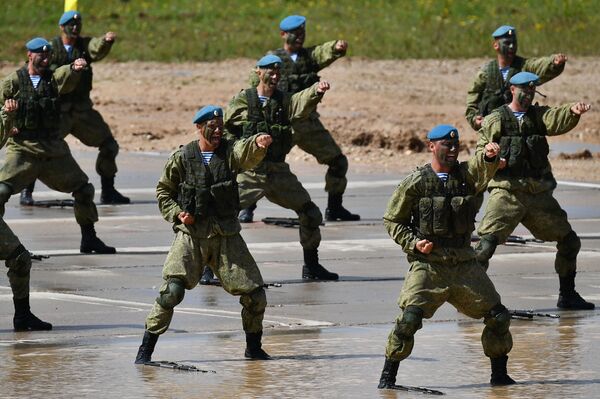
(530,314)
(38,257)
(514,240)
(284,222)
(50,203)
(422,390)
(176,366)
(217,283)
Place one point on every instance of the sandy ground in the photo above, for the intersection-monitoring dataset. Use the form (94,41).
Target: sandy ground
(378,111)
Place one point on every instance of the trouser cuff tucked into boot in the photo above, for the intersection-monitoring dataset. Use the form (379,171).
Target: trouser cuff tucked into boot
(254,349)
(146,349)
(24,320)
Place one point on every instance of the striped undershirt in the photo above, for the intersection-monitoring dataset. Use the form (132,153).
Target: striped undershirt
(206,157)
(35,80)
(504,72)
(263,99)
(519,115)
(443,176)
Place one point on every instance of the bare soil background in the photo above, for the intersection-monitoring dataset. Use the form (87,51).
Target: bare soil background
(378,111)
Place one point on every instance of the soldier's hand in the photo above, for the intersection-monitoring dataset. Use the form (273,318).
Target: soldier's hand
(341,46)
(502,163)
(11,105)
(560,59)
(264,140)
(79,64)
(491,150)
(322,87)
(110,37)
(478,121)
(424,246)
(186,218)
(580,108)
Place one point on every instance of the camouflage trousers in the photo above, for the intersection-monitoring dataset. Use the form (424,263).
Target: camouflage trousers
(89,127)
(312,137)
(465,285)
(540,213)
(275,181)
(58,173)
(18,271)
(231,262)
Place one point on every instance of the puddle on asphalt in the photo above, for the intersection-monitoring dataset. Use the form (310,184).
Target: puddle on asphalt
(551,358)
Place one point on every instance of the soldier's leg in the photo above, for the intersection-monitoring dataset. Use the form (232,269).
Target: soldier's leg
(503,213)
(312,137)
(285,190)
(181,271)
(250,187)
(91,129)
(17,171)
(423,292)
(549,222)
(64,174)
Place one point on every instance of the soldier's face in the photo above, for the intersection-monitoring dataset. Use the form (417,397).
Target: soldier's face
(39,61)
(212,131)
(524,95)
(73,28)
(507,46)
(445,151)
(295,38)
(269,77)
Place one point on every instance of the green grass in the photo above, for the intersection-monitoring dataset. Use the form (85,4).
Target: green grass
(201,30)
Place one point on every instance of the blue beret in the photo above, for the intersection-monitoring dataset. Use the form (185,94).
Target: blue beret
(38,45)
(207,113)
(442,132)
(525,78)
(292,22)
(69,15)
(267,60)
(504,30)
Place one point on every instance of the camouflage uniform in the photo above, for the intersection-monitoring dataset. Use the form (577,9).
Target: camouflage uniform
(489,90)
(40,152)
(272,177)
(424,207)
(522,192)
(210,194)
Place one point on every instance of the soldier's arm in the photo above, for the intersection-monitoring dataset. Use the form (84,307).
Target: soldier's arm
(325,54)
(544,67)
(397,218)
(304,102)
(253,78)
(236,114)
(9,88)
(167,188)
(98,47)
(491,130)
(559,120)
(66,78)
(474,97)
(247,154)
(480,169)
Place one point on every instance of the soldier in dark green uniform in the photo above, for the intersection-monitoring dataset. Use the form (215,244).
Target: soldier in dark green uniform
(38,151)
(198,193)
(490,89)
(265,109)
(78,115)
(521,191)
(18,259)
(299,71)
(431,215)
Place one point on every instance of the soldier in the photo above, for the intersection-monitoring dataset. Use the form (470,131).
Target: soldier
(298,72)
(266,109)
(18,259)
(38,151)
(431,215)
(521,191)
(78,115)
(198,193)
(490,87)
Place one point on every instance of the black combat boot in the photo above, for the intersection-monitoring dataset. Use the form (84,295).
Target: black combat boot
(144,354)
(499,374)
(24,320)
(254,349)
(568,298)
(27,195)
(91,243)
(109,194)
(388,374)
(247,214)
(208,277)
(335,211)
(312,270)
